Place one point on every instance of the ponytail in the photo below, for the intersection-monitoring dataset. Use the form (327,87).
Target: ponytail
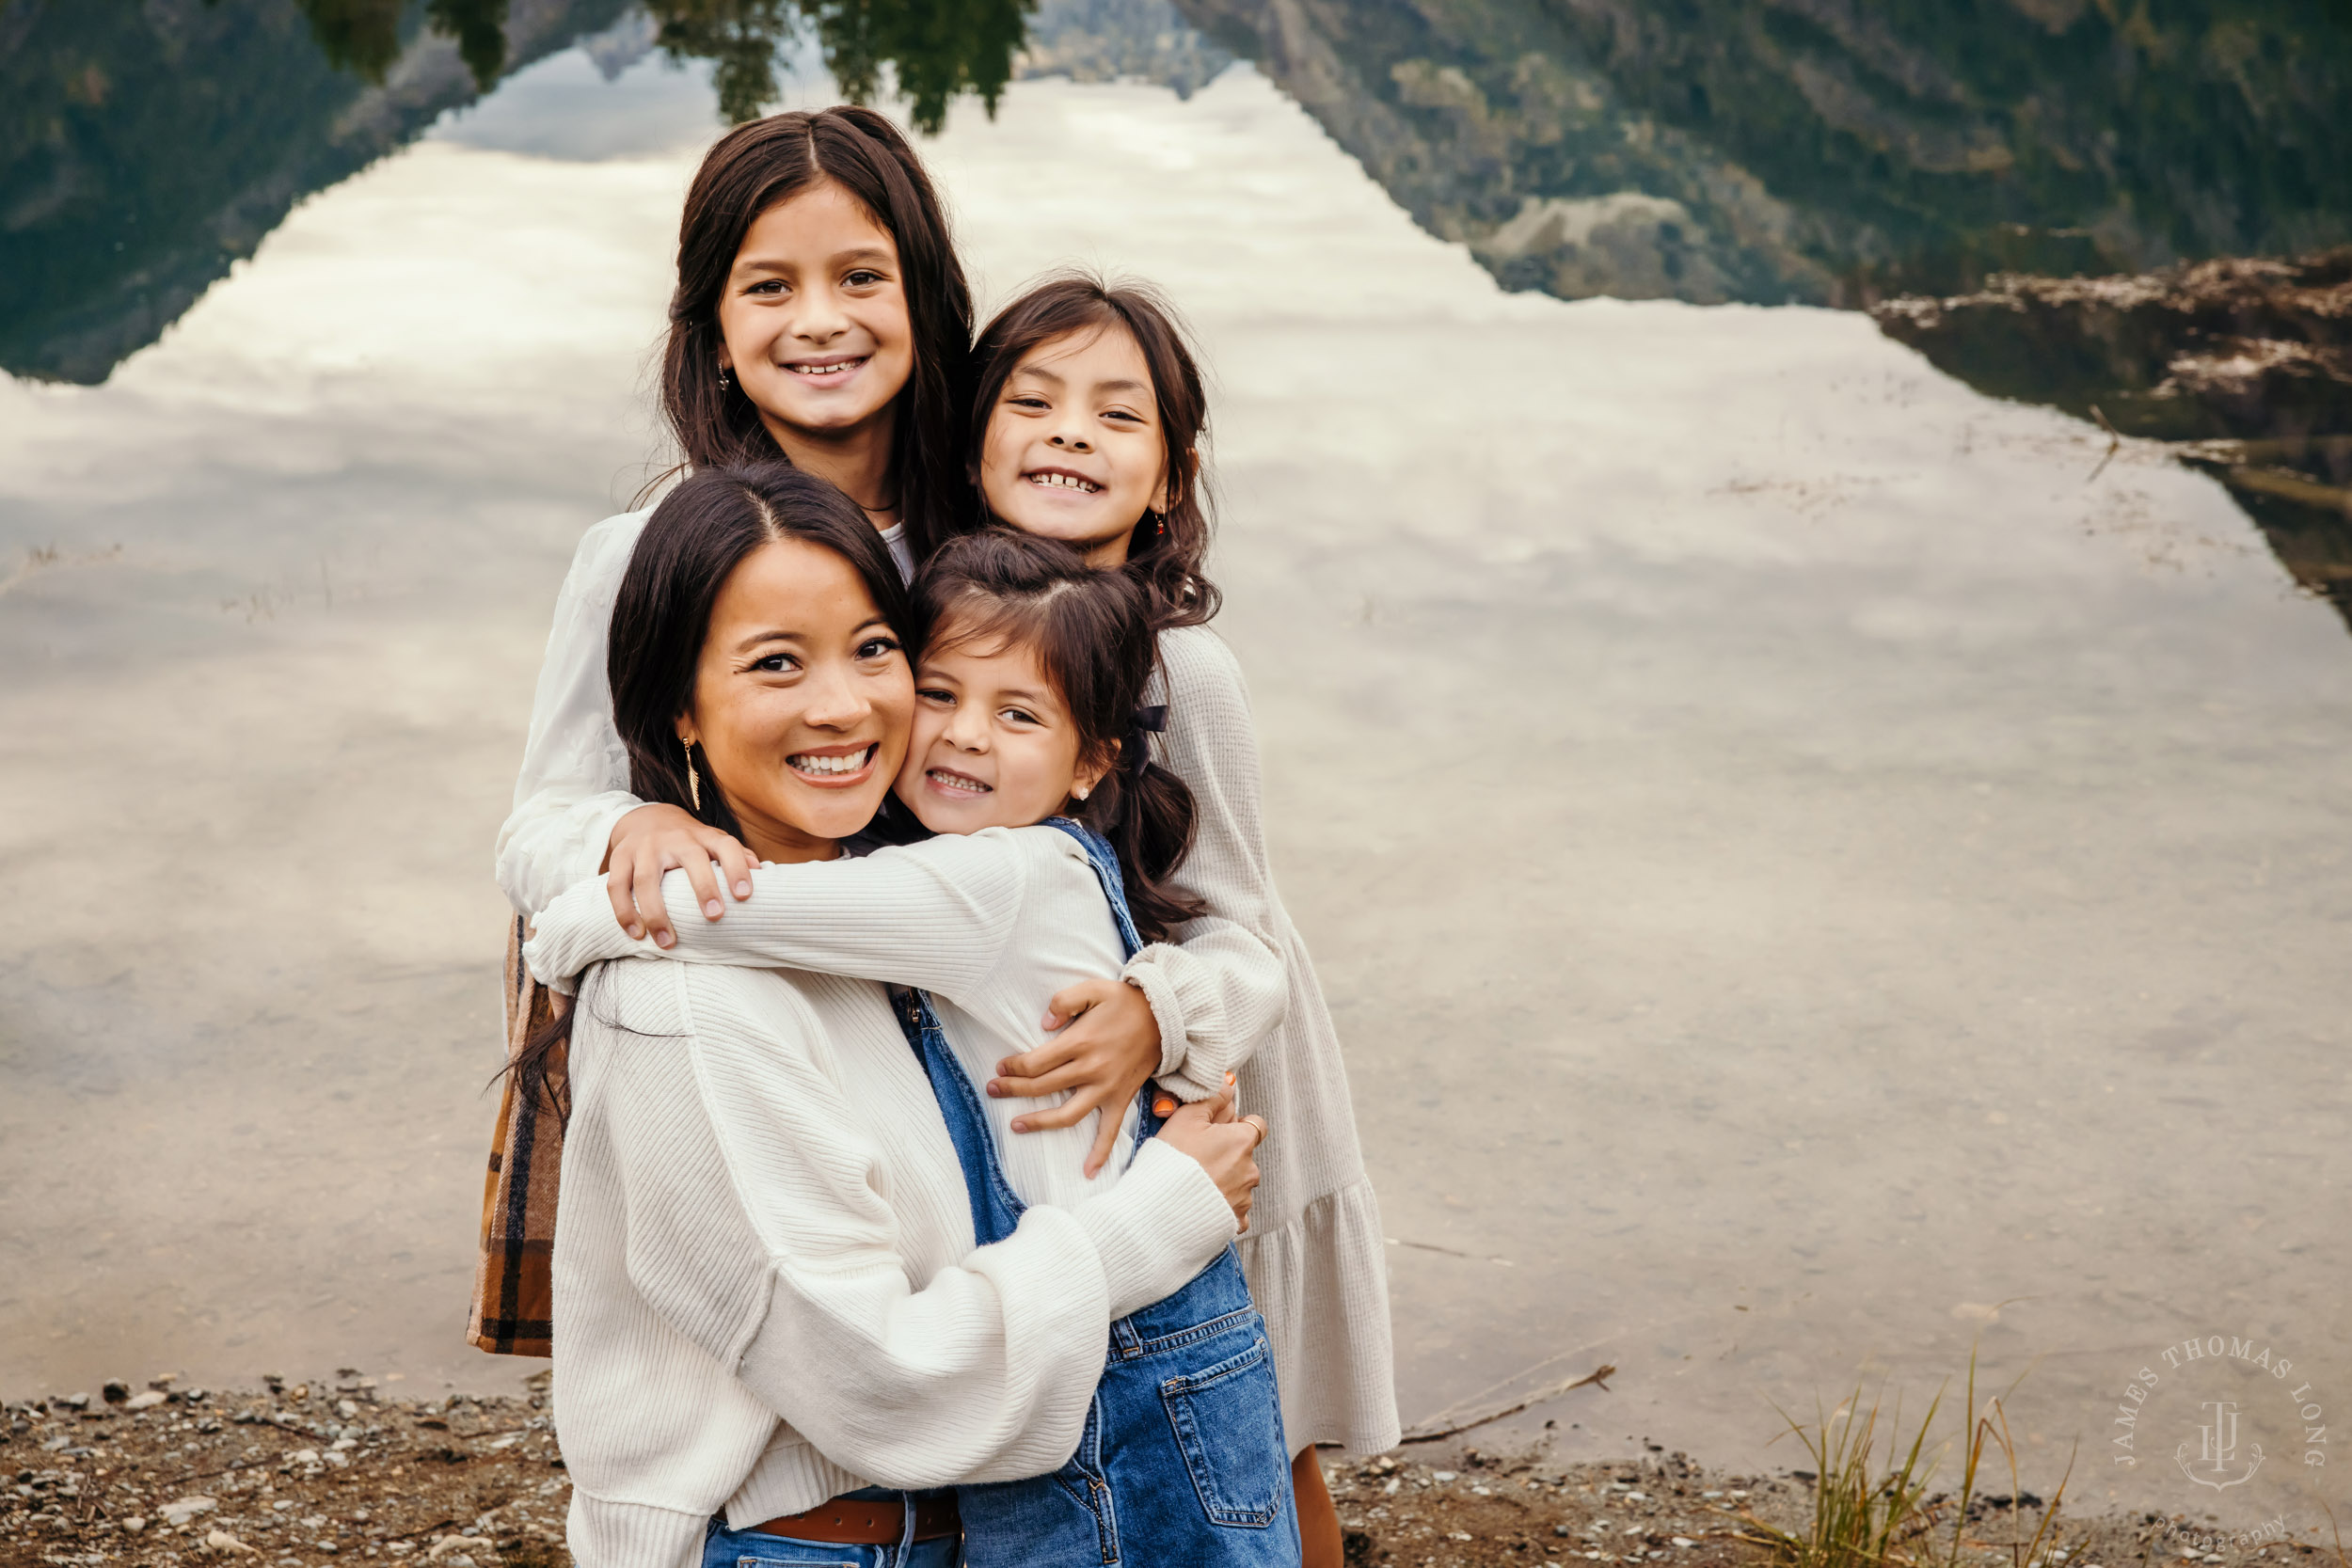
(1149,816)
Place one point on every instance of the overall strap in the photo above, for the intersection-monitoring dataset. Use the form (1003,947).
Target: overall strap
(995,1211)
(1105,862)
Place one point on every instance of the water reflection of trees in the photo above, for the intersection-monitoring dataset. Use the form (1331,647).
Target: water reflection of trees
(931,49)
(934,49)
(363,37)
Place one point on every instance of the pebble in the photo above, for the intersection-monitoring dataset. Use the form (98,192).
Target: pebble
(77,1402)
(134,1523)
(180,1509)
(221,1541)
(347,1409)
(115,1391)
(1683,1541)
(148,1401)
(1442,1474)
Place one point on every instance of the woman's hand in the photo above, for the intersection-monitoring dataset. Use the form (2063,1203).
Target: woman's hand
(656,838)
(1226,1149)
(1109,1047)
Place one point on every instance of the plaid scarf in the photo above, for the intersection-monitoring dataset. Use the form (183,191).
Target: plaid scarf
(514,1289)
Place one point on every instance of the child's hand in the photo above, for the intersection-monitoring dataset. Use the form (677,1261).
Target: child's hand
(1108,1046)
(656,838)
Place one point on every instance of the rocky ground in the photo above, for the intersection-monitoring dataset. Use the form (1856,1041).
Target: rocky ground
(303,1475)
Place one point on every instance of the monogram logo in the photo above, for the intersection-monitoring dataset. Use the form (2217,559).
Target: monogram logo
(2218,1450)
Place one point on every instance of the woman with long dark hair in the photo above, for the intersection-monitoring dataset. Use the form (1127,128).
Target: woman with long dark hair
(766,1277)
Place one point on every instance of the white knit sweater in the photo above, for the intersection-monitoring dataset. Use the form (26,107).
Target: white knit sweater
(1314,1255)
(762,1214)
(991,923)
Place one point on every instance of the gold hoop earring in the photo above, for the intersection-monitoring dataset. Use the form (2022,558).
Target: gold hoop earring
(693,779)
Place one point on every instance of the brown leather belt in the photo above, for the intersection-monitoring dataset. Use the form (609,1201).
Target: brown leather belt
(869,1521)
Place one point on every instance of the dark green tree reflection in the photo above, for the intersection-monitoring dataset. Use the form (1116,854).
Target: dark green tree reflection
(364,36)
(935,49)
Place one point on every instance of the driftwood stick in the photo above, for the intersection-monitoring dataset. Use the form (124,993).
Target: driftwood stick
(2115,440)
(1594,1376)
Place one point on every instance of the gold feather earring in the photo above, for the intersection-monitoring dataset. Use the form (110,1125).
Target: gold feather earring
(693,779)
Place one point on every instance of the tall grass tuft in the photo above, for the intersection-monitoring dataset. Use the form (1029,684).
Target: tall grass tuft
(1869,1513)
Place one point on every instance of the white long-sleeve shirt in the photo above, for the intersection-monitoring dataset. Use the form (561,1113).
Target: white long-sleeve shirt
(991,923)
(763,1217)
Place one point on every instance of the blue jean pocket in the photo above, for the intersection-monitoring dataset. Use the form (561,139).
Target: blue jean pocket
(1228,1426)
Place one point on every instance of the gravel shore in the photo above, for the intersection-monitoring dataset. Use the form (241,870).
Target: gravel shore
(304,1474)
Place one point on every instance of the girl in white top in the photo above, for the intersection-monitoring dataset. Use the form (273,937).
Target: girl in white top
(767,1290)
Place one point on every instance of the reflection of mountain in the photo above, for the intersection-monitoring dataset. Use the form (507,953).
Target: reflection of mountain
(1817,150)
(144,149)
(1109,40)
(2245,365)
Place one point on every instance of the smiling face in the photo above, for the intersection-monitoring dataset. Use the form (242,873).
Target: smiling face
(813,319)
(801,698)
(1074,449)
(993,744)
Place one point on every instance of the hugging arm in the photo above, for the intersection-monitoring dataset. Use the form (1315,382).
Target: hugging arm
(756,1229)
(936,914)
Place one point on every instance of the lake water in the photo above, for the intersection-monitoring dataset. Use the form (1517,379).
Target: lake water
(1816,868)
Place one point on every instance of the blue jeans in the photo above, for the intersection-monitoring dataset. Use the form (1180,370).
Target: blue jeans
(1182,1461)
(749,1548)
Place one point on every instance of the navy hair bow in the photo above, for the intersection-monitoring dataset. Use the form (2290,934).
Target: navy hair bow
(1155,721)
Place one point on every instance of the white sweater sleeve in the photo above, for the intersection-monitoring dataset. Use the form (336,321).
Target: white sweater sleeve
(938,915)
(1220,988)
(573,783)
(984,1371)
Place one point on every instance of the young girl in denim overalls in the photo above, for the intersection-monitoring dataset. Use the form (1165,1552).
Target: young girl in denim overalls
(1054,832)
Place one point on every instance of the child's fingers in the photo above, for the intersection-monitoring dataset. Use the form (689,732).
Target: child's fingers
(705,878)
(1067,1114)
(617,887)
(1070,1001)
(645,887)
(1033,1064)
(1105,1142)
(735,862)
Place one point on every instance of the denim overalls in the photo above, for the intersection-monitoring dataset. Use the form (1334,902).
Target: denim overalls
(1182,1460)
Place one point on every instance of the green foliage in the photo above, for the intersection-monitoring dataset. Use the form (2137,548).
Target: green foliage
(480,29)
(361,37)
(935,49)
(1869,1513)
(364,36)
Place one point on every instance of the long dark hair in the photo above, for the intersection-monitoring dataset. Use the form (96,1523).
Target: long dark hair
(752,168)
(1169,549)
(691,544)
(1093,634)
